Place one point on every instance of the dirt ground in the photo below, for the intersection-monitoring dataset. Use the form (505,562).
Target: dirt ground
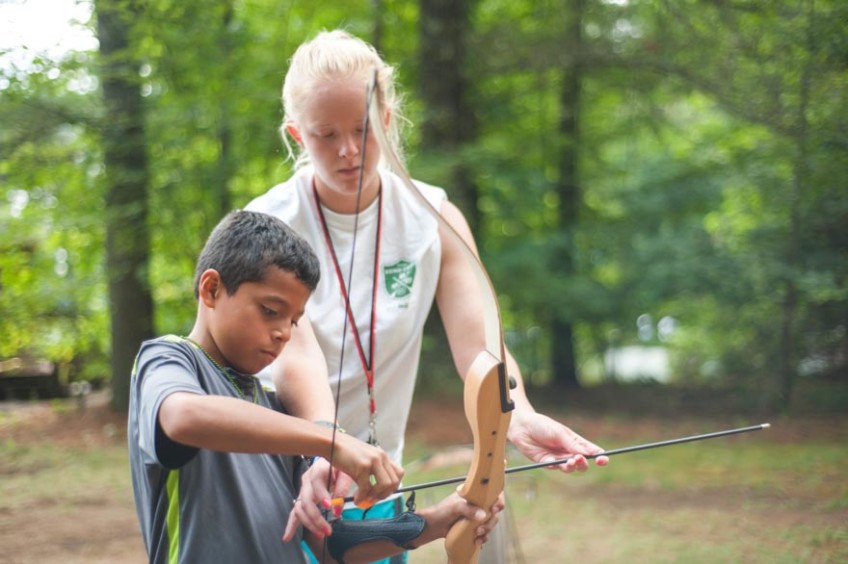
(104,529)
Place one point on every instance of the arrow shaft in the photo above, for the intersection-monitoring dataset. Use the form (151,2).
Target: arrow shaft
(613,452)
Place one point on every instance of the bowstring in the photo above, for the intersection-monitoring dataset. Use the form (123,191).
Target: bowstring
(349,283)
(492,322)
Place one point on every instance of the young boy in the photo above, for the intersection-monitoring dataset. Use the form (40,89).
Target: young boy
(212,454)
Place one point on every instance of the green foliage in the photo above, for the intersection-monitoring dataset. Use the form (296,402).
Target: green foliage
(712,165)
(706,189)
(51,276)
(213,77)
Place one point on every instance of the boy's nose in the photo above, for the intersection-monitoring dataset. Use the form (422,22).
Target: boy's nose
(282,334)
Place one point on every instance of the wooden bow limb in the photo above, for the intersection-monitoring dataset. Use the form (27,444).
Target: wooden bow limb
(488,406)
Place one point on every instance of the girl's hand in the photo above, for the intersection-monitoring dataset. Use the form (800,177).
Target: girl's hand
(314,499)
(542,439)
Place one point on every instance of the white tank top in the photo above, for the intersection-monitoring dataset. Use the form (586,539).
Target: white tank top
(410,258)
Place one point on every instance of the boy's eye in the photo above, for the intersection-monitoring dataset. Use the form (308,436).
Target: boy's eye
(268,311)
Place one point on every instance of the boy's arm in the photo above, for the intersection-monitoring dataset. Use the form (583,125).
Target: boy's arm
(229,424)
(234,425)
(437,521)
(442,516)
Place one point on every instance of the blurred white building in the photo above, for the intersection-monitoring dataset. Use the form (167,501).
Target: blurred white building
(637,363)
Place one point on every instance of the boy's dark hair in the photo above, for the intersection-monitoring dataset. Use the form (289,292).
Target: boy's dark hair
(245,244)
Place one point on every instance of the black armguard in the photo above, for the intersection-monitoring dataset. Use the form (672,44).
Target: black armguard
(400,531)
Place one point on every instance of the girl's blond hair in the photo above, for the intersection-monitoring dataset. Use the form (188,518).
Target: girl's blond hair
(331,56)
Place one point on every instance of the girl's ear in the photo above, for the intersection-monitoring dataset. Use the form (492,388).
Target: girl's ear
(209,287)
(294,133)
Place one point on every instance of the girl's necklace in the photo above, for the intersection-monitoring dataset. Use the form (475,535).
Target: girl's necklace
(367,363)
(223,371)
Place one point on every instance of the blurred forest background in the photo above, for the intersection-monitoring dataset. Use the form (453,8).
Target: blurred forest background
(658,187)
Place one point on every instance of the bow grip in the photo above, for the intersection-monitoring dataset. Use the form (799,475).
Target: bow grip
(488,410)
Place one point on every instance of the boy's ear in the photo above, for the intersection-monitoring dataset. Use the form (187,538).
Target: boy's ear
(209,287)
(294,133)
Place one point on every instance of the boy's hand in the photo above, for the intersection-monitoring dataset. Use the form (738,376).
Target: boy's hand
(375,475)
(443,515)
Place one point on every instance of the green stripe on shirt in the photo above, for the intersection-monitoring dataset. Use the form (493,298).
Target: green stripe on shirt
(173,516)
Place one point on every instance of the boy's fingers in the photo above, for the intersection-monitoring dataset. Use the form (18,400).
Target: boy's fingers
(382,481)
(364,497)
(472,512)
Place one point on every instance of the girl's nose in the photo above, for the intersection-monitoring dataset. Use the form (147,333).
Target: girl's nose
(350,148)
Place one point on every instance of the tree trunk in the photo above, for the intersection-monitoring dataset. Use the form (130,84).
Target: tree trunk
(127,232)
(377,33)
(449,121)
(788,343)
(563,361)
(222,179)
(447,126)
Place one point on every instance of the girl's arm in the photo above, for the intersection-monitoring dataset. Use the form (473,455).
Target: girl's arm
(537,436)
(300,376)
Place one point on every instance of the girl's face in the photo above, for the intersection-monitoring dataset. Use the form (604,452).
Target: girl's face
(330,129)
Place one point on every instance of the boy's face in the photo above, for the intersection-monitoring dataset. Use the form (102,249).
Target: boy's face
(250,327)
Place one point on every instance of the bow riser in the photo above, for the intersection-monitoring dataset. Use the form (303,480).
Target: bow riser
(489,420)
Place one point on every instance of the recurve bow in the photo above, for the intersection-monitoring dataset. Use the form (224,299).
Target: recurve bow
(487,400)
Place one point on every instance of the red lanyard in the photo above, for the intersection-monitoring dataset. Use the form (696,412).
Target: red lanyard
(367,363)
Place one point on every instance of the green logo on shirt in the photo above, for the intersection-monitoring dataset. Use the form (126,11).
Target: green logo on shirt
(399,278)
